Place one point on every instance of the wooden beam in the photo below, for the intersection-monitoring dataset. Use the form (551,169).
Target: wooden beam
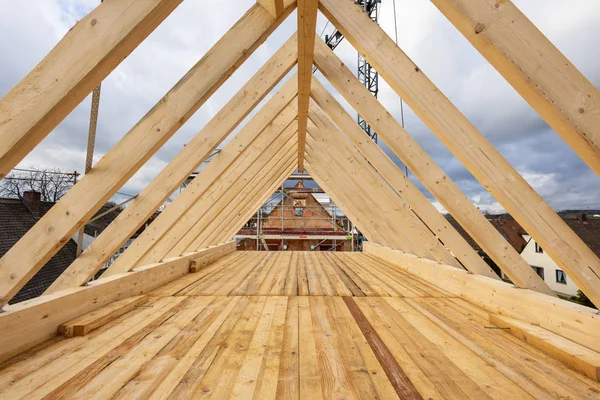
(424,168)
(86,323)
(210,255)
(179,169)
(242,214)
(545,78)
(351,198)
(438,224)
(28,323)
(270,149)
(274,7)
(578,357)
(472,149)
(72,69)
(179,214)
(396,212)
(339,196)
(307,22)
(572,321)
(261,176)
(55,228)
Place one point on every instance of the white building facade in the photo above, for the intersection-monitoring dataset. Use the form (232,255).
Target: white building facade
(547,269)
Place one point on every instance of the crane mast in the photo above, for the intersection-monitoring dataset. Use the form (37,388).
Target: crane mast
(366,73)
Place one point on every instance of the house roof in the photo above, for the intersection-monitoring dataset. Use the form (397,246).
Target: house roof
(587,228)
(15,221)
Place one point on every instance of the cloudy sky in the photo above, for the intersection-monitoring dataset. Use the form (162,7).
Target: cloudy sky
(30,28)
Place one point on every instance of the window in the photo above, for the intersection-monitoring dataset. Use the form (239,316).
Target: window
(561,277)
(539,271)
(538,248)
(299,211)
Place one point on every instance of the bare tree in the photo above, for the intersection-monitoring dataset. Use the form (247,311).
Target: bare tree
(52,183)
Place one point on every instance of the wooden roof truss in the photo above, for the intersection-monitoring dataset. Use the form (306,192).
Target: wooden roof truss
(301,126)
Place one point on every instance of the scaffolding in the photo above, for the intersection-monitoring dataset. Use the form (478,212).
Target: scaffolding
(334,238)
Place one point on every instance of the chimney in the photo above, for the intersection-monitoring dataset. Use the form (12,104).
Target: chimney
(32,200)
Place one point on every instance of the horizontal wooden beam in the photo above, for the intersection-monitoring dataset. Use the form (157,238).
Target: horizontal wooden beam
(545,78)
(28,323)
(74,67)
(86,323)
(578,357)
(572,321)
(59,224)
(178,169)
(401,183)
(307,22)
(469,146)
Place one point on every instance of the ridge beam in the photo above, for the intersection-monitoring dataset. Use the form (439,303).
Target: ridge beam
(307,25)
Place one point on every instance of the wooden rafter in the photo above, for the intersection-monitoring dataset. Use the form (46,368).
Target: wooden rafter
(76,65)
(246,209)
(424,168)
(339,196)
(180,213)
(179,169)
(30,253)
(477,154)
(344,158)
(307,22)
(436,222)
(271,150)
(545,78)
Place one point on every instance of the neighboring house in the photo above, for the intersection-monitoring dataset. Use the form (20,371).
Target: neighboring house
(304,218)
(508,228)
(588,229)
(16,218)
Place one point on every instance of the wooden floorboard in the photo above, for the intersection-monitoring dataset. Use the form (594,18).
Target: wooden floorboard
(295,325)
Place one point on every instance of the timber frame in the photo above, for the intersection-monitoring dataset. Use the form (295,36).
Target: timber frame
(301,127)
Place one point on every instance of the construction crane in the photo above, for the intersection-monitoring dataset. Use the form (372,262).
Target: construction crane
(366,73)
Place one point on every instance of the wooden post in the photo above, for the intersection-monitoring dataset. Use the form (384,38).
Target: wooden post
(53,230)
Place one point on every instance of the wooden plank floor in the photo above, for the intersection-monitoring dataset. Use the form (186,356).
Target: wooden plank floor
(295,325)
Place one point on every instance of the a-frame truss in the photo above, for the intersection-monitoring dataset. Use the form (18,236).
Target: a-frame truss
(302,126)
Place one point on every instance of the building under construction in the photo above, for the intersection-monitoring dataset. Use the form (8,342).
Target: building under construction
(298,222)
(416,314)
